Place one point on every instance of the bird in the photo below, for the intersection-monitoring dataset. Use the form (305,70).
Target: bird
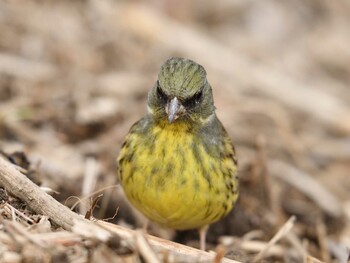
(177,165)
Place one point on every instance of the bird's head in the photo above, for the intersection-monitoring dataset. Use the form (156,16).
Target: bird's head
(181,92)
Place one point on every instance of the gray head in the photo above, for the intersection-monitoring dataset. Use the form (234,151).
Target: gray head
(181,92)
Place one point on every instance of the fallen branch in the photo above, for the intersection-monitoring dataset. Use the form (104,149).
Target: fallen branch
(21,187)
(40,202)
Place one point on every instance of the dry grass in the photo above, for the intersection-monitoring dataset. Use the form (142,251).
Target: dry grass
(74,76)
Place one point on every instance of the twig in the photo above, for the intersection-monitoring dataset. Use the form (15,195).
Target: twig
(258,246)
(176,250)
(113,216)
(220,253)
(14,226)
(80,200)
(63,238)
(90,211)
(252,246)
(280,234)
(321,232)
(91,174)
(16,211)
(144,248)
(311,259)
(297,244)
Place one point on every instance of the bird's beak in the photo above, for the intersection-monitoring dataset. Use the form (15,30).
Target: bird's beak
(174,109)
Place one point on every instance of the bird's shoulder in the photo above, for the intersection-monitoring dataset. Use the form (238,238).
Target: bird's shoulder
(142,126)
(215,136)
(213,132)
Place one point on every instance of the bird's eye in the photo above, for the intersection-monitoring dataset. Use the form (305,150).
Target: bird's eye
(160,94)
(198,97)
(194,100)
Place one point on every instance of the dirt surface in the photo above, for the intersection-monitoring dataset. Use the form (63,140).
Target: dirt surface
(74,76)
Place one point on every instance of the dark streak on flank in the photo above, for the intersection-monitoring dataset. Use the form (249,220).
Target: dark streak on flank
(129,158)
(214,169)
(131,174)
(183,181)
(151,146)
(181,155)
(169,169)
(228,183)
(160,182)
(217,191)
(125,144)
(195,185)
(196,153)
(121,160)
(207,177)
(198,158)
(151,141)
(232,156)
(154,170)
(225,207)
(207,211)
(231,186)
(216,215)
(120,174)
(223,211)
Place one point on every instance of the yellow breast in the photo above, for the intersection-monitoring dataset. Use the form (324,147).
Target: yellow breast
(170,177)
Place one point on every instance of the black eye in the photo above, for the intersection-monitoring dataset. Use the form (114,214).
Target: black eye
(160,94)
(198,97)
(194,100)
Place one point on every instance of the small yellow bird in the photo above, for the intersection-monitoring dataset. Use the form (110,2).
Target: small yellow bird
(177,164)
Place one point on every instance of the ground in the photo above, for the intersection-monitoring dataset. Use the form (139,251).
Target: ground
(74,76)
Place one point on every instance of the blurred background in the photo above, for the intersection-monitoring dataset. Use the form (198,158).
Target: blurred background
(74,76)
